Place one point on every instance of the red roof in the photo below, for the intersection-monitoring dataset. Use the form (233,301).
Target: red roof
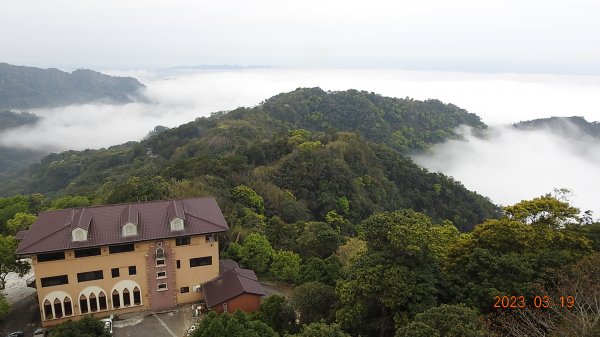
(232,283)
(52,230)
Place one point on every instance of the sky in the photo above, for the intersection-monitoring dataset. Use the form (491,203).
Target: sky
(488,36)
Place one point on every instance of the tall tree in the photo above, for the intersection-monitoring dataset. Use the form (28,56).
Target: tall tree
(8,260)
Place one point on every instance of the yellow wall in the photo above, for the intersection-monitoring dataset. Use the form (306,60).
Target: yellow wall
(185,276)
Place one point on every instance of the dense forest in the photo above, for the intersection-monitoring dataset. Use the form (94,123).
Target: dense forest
(571,127)
(320,193)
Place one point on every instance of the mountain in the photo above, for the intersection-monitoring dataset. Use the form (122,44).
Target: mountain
(306,152)
(572,127)
(28,88)
(11,119)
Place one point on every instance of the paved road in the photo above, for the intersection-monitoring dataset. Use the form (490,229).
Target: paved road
(168,324)
(24,316)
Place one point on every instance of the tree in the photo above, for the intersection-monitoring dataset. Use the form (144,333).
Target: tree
(21,221)
(285,266)
(86,327)
(4,305)
(8,260)
(326,271)
(505,257)
(70,202)
(578,315)
(314,301)
(321,329)
(257,253)
(249,198)
(347,252)
(277,312)
(384,283)
(318,239)
(546,210)
(445,321)
(238,324)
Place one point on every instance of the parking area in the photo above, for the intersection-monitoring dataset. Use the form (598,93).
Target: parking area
(24,316)
(168,324)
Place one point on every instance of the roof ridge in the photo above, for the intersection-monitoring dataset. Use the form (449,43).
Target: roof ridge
(124,204)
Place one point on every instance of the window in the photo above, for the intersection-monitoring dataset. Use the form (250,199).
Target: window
(224,307)
(210,238)
(48,310)
(129,229)
(182,241)
(121,248)
(126,298)
(201,261)
(161,274)
(184,290)
(162,286)
(68,307)
(132,270)
(51,256)
(83,304)
(102,301)
(79,234)
(160,253)
(177,224)
(116,300)
(93,303)
(54,281)
(58,308)
(87,252)
(178,264)
(90,276)
(160,262)
(137,298)
(115,272)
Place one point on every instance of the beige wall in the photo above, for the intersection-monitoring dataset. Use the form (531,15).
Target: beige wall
(185,276)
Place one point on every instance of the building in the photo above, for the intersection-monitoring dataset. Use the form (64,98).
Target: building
(123,258)
(235,288)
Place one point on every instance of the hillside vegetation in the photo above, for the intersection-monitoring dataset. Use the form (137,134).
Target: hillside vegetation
(29,87)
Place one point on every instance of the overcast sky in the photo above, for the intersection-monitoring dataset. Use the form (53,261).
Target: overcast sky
(533,36)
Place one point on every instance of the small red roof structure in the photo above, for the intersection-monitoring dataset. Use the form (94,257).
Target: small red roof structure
(52,231)
(236,288)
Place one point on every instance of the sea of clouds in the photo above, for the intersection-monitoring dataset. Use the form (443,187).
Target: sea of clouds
(507,165)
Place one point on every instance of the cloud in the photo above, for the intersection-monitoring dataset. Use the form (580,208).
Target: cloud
(511,165)
(507,165)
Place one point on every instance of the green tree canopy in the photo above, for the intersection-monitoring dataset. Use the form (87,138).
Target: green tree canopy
(21,221)
(285,266)
(314,301)
(249,198)
(321,329)
(257,253)
(85,327)
(277,312)
(445,321)
(8,259)
(238,324)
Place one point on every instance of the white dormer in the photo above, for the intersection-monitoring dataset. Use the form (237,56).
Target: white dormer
(129,229)
(79,234)
(177,224)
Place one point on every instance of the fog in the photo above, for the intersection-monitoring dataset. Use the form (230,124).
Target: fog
(507,166)
(510,165)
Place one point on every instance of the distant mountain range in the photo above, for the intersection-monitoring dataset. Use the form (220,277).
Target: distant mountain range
(28,88)
(572,127)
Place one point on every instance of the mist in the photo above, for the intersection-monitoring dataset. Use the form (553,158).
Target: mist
(507,165)
(510,165)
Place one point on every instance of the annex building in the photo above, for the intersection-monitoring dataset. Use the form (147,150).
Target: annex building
(123,258)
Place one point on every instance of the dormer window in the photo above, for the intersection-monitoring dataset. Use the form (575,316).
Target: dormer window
(177,224)
(129,229)
(79,234)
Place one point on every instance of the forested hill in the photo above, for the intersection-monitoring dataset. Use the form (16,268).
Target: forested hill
(306,153)
(573,127)
(28,87)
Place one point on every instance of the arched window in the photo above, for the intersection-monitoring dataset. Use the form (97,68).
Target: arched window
(126,298)
(48,310)
(93,303)
(83,304)
(137,296)
(160,253)
(116,300)
(58,308)
(68,306)
(102,300)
